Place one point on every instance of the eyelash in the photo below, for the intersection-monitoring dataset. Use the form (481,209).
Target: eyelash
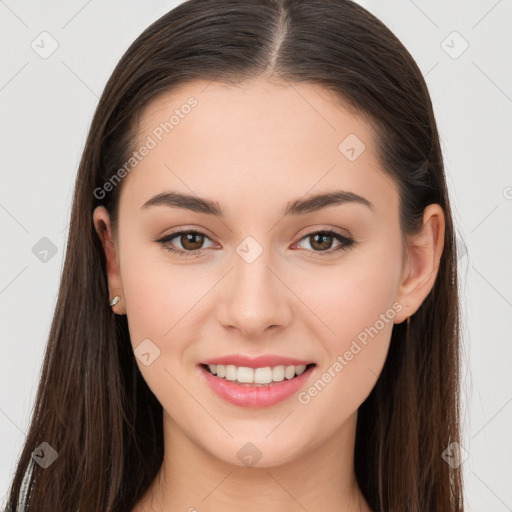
(346,242)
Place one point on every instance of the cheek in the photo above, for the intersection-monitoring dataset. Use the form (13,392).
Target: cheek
(160,295)
(349,297)
(354,318)
(163,301)
(160,301)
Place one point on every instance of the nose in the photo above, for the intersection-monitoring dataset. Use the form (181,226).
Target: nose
(254,298)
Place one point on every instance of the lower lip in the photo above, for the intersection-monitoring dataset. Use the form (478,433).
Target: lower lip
(255,396)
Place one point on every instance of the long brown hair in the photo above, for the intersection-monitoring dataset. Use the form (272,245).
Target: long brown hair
(93,406)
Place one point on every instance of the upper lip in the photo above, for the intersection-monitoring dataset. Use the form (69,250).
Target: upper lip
(256,362)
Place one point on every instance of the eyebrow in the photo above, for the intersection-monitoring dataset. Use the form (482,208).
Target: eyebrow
(298,207)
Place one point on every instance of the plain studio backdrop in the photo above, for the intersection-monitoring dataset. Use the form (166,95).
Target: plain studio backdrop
(48,93)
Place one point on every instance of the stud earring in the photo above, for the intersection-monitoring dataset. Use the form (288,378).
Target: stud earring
(115,300)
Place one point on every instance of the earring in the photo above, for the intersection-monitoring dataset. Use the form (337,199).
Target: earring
(115,300)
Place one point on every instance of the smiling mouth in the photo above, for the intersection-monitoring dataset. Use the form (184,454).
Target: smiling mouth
(256,377)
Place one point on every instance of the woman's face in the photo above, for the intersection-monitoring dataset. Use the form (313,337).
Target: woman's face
(259,280)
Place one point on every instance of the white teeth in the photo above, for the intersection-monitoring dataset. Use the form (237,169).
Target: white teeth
(264,375)
(300,369)
(245,374)
(231,371)
(289,372)
(278,373)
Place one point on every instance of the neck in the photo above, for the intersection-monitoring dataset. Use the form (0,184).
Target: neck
(316,478)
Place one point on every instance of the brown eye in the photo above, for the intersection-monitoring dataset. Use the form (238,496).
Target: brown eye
(191,242)
(322,241)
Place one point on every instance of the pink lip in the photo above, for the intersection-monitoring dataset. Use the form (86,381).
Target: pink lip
(256,362)
(247,395)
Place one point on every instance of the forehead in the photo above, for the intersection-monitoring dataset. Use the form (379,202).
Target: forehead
(266,141)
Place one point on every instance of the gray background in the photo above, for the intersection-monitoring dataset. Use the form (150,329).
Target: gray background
(47,105)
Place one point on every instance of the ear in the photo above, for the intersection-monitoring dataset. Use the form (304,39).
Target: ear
(101,219)
(422,263)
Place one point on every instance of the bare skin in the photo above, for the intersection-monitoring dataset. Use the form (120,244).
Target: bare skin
(254,149)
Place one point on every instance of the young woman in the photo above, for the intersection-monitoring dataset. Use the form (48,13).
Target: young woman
(258,308)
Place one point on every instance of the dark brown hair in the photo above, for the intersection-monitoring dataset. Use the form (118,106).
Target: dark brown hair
(93,406)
